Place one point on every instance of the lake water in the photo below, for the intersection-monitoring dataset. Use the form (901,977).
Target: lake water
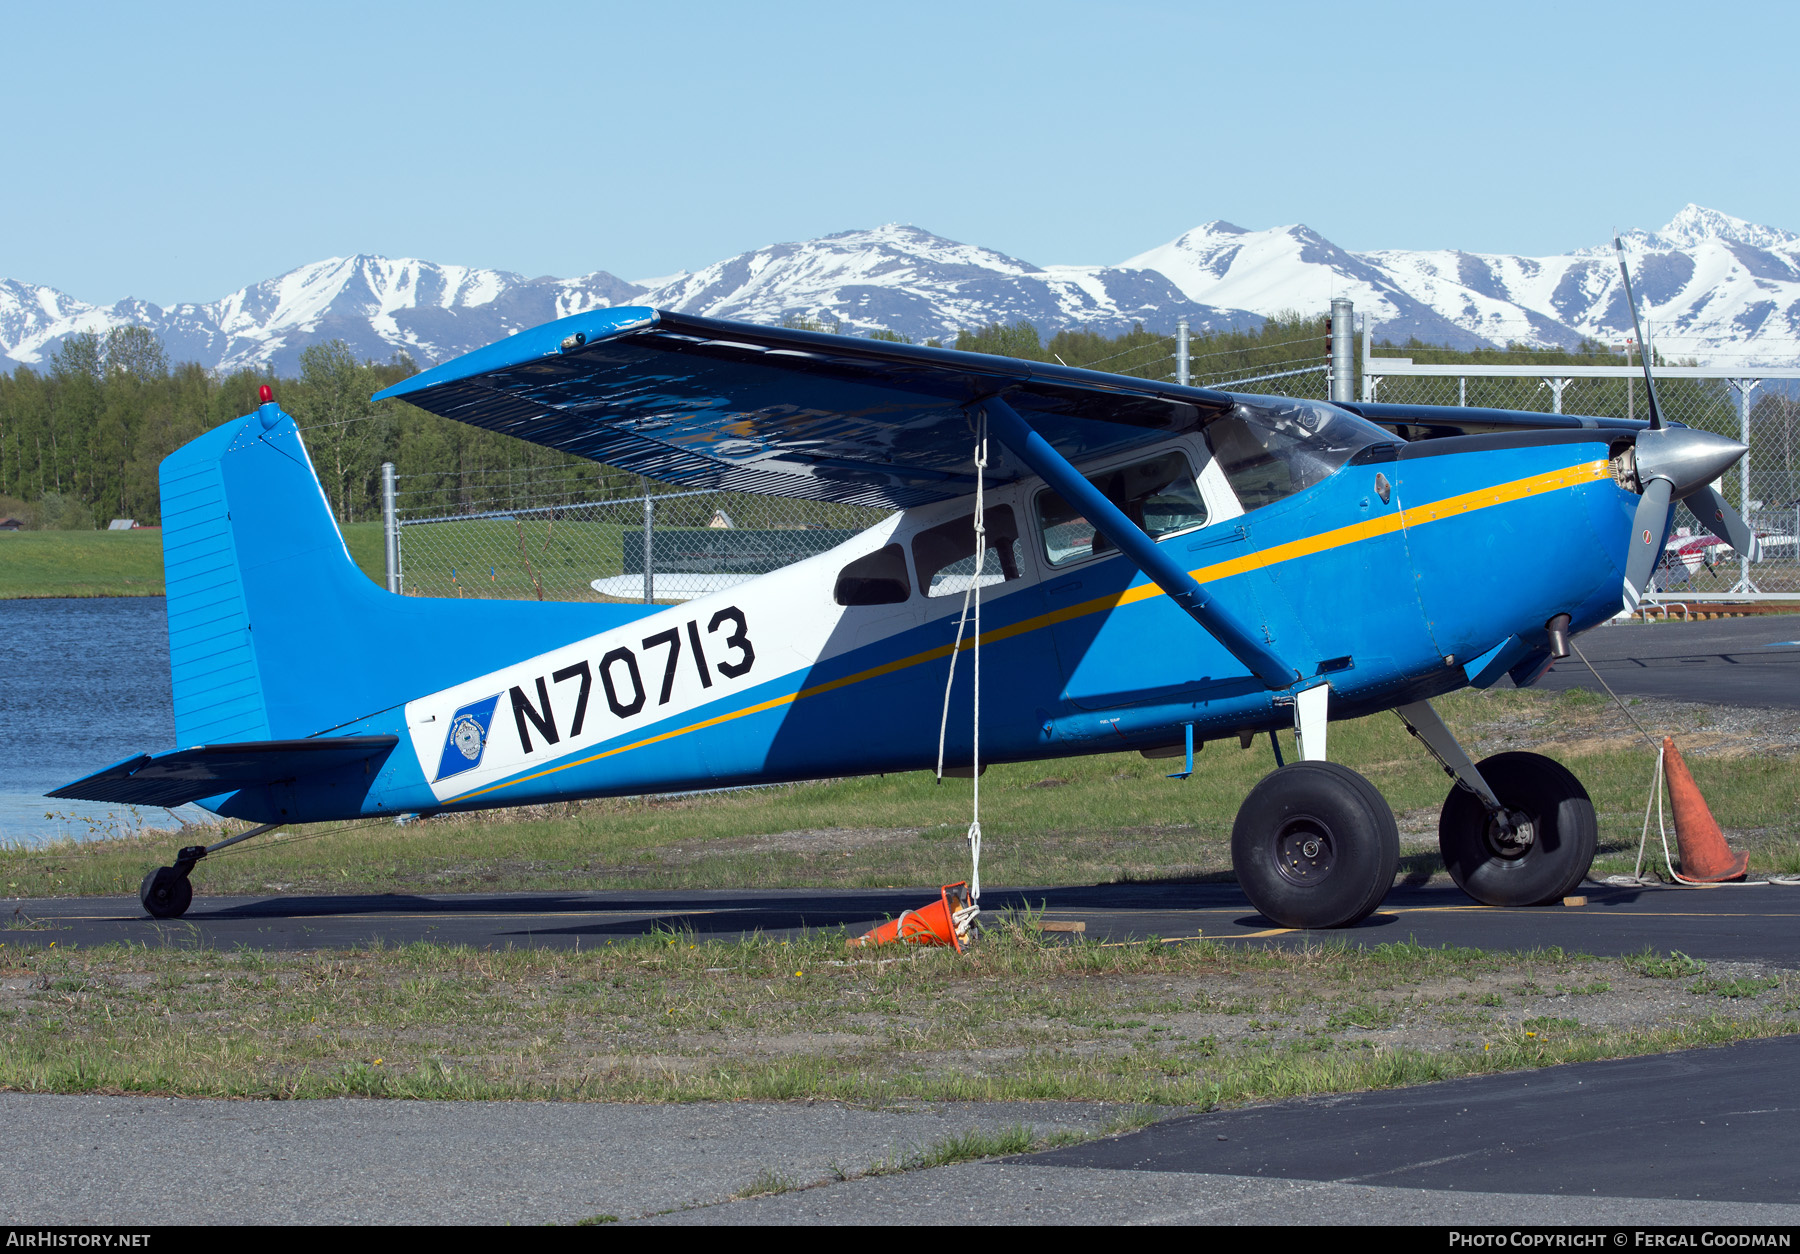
(84,682)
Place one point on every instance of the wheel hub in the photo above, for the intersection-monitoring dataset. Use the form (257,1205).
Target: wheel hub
(1512,839)
(1304,853)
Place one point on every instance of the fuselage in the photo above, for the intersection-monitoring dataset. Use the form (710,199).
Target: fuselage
(1407,572)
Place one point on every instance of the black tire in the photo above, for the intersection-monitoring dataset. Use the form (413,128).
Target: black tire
(166,893)
(1564,829)
(1315,846)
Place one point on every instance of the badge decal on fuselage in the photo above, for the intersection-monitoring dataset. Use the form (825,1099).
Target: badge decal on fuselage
(467,737)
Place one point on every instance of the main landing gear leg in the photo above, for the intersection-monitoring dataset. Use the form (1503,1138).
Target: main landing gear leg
(1314,844)
(1517,830)
(166,892)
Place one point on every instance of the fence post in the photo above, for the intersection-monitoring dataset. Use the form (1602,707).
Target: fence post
(1181,352)
(1368,382)
(649,545)
(1744,388)
(1343,349)
(390,528)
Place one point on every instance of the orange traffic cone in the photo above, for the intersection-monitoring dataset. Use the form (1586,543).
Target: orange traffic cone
(936,924)
(1705,858)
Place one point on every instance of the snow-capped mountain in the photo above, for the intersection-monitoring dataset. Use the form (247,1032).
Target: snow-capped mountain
(900,278)
(1713,287)
(375,305)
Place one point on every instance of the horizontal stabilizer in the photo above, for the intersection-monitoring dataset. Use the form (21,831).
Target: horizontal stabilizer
(184,775)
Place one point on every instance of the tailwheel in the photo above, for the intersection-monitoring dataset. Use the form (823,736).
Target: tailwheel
(166,893)
(1315,846)
(1543,849)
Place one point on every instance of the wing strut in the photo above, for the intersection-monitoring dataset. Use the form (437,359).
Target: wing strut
(1049,465)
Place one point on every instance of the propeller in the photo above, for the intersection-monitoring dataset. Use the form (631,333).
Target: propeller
(1675,464)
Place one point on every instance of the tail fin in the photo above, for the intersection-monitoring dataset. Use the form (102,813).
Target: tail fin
(275,633)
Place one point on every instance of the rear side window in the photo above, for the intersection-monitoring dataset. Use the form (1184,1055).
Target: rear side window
(1159,495)
(878,578)
(945,554)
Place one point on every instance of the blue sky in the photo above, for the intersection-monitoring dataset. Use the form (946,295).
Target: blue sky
(178,151)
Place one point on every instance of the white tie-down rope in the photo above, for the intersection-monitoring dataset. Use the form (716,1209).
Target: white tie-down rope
(1636,878)
(1655,803)
(971,617)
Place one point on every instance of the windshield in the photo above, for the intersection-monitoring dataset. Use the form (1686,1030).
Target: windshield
(1271,447)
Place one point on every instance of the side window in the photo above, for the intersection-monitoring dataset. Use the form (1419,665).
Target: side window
(878,578)
(1159,495)
(945,555)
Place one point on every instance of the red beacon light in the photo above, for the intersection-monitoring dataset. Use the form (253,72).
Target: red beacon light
(268,411)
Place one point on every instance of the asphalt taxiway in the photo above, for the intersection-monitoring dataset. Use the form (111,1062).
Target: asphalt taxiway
(1730,923)
(1701,1137)
(1725,661)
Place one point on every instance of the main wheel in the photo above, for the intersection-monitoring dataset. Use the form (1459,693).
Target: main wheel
(1498,870)
(166,893)
(1315,845)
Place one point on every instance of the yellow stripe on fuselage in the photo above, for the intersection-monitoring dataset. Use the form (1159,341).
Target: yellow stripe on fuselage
(1324,541)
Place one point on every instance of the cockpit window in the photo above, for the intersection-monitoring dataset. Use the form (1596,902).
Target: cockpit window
(1158,495)
(1271,447)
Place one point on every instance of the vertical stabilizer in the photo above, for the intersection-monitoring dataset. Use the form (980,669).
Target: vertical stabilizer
(275,633)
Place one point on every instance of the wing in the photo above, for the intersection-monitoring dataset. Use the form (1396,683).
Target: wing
(771,410)
(1437,422)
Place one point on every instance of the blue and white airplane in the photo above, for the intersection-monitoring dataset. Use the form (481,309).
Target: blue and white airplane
(1164,566)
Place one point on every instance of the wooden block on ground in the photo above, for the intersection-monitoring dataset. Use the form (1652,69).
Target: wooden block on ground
(1574,901)
(1060,925)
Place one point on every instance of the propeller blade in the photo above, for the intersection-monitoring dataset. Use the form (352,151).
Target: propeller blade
(1717,516)
(1643,348)
(1647,528)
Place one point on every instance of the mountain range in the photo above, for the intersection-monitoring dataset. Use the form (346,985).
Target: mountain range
(1713,287)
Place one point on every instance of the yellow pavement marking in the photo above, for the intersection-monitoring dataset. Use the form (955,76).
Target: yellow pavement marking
(1273,931)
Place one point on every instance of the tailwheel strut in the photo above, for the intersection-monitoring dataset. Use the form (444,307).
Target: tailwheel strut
(166,892)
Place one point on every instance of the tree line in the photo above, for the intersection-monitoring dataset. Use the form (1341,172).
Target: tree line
(81,439)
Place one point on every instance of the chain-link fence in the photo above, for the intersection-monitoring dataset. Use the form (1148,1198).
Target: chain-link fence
(1695,563)
(601,536)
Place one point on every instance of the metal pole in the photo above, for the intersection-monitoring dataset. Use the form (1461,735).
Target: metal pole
(390,527)
(649,545)
(1368,384)
(1744,388)
(1343,349)
(1181,352)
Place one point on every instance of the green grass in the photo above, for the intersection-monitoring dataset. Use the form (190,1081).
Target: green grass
(80,563)
(517,559)
(119,563)
(676,1018)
